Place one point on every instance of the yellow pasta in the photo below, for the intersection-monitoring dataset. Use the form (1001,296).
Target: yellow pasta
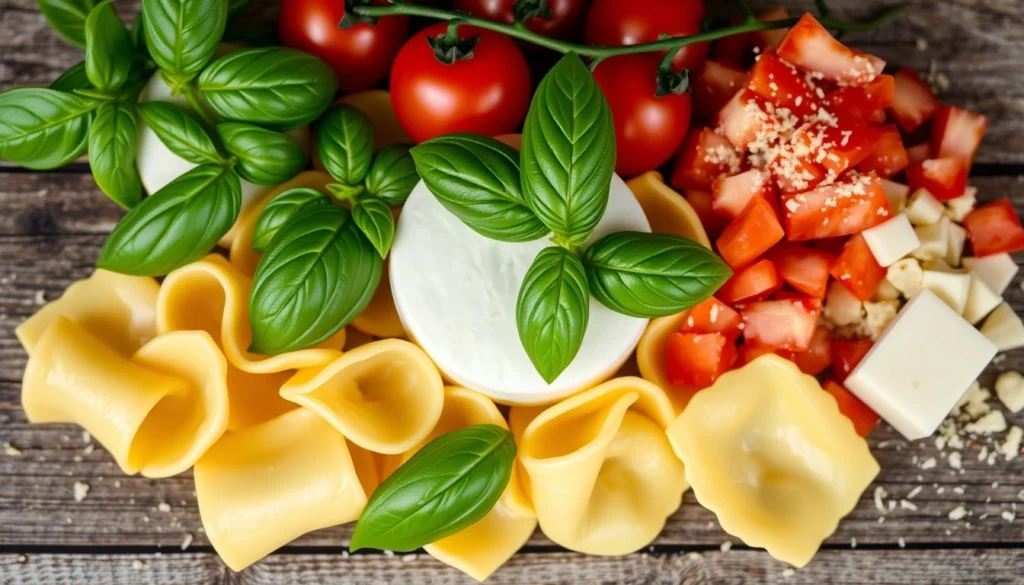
(601,473)
(650,357)
(767,450)
(667,211)
(156,413)
(380,317)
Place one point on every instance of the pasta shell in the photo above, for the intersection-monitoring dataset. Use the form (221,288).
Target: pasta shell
(380,317)
(666,210)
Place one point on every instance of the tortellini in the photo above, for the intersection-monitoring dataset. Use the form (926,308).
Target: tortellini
(767,450)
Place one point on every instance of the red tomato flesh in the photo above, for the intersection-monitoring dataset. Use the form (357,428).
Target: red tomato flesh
(803,268)
(839,148)
(858,103)
(847,354)
(742,119)
(817,357)
(889,156)
(913,102)
(713,316)
(857,269)
(704,157)
(995,228)
(809,46)
(696,360)
(616,22)
(750,234)
(756,282)
(731,194)
(714,85)
(701,202)
(957,133)
(781,324)
(850,205)
(565,21)
(863,418)
(919,153)
(780,83)
(945,178)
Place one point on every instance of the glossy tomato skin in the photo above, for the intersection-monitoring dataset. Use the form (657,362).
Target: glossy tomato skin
(485,94)
(360,55)
(648,129)
(632,22)
(566,15)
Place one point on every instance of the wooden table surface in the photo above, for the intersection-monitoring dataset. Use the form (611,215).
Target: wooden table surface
(51,228)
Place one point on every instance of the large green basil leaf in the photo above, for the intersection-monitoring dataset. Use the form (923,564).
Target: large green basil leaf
(373,216)
(392,174)
(477,179)
(108,48)
(265,157)
(182,35)
(652,275)
(179,131)
(280,210)
(449,484)
(67,17)
(176,225)
(319,273)
(43,128)
(113,137)
(568,152)
(74,78)
(553,311)
(271,86)
(344,142)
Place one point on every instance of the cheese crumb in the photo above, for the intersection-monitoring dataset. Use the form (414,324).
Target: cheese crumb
(726,546)
(1010,447)
(163,507)
(1010,390)
(11,451)
(914,492)
(955,460)
(40,297)
(992,422)
(388,553)
(922,45)
(1009,516)
(928,463)
(81,491)
(902,542)
(880,494)
(138,565)
(787,573)
(907,505)
(853,543)
(22,559)
(187,542)
(957,513)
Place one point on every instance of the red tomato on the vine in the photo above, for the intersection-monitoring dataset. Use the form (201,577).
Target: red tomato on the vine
(632,22)
(360,55)
(487,93)
(648,129)
(566,15)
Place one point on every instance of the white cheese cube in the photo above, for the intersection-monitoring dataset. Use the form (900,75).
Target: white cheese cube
(996,270)
(1010,390)
(886,292)
(841,307)
(891,240)
(1004,328)
(934,240)
(953,288)
(907,276)
(957,241)
(897,195)
(958,208)
(924,208)
(917,372)
(940,265)
(980,301)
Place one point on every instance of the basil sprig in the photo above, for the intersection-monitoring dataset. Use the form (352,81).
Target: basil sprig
(44,128)
(182,35)
(449,484)
(179,131)
(373,217)
(345,144)
(280,210)
(265,157)
(392,174)
(113,137)
(108,48)
(67,17)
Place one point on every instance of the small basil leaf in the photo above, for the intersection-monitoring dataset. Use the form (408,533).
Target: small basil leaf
(568,152)
(280,210)
(476,178)
(553,310)
(373,216)
(42,128)
(392,174)
(265,157)
(176,225)
(344,142)
(67,17)
(652,275)
(449,484)
(319,273)
(182,35)
(72,79)
(179,131)
(271,86)
(108,48)
(113,137)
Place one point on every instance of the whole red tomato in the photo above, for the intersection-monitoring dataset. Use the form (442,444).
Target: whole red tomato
(648,129)
(631,22)
(360,55)
(566,15)
(486,93)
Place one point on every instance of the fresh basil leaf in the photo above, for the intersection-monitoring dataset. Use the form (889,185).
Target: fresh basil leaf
(392,174)
(108,48)
(182,35)
(280,210)
(67,17)
(179,131)
(449,484)
(138,33)
(113,138)
(373,216)
(265,157)
(271,86)
(344,142)
(72,79)
(235,7)
(652,275)
(42,128)
(477,179)
(553,310)
(319,273)
(568,154)
(176,225)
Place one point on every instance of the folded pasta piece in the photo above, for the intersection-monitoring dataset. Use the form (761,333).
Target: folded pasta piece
(380,317)
(650,357)
(767,450)
(667,211)
(118,309)
(385,396)
(262,487)
(601,473)
(156,413)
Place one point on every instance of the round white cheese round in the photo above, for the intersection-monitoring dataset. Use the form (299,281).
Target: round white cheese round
(456,291)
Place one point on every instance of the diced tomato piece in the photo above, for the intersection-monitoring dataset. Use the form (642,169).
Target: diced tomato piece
(863,418)
(748,353)
(714,85)
(850,205)
(913,103)
(809,46)
(889,157)
(780,83)
(857,269)
(957,133)
(860,103)
(750,234)
(846,354)
(743,118)
(696,360)
(995,228)
(701,202)
(713,316)
(755,282)
(833,246)
(793,174)
(730,195)
(770,39)
(805,269)
(781,324)
(945,178)
(919,153)
(839,148)
(705,156)
(817,357)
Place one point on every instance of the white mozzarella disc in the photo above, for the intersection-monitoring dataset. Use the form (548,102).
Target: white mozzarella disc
(456,290)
